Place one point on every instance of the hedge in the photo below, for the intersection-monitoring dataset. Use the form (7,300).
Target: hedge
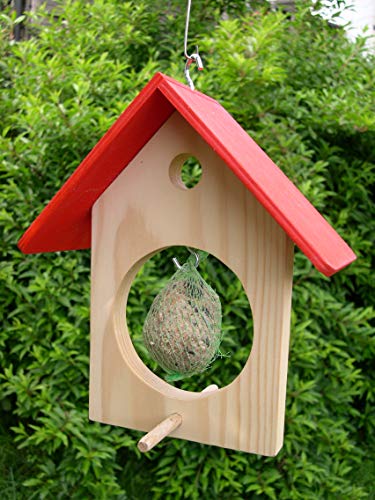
(306,95)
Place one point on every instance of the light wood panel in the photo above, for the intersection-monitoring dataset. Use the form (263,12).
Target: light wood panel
(145,210)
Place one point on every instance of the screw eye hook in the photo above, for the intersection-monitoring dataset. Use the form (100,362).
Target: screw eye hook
(197,259)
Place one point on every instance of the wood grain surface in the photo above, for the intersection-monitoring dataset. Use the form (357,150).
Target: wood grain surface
(147,209)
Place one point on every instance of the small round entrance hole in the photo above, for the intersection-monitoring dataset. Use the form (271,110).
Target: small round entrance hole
(185,171)
(237,322)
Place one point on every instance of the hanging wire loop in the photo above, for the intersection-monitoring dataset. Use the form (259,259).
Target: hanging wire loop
(197,259)
(193,58)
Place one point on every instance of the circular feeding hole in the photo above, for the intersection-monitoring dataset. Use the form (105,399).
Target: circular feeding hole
(236,326)
(185,171)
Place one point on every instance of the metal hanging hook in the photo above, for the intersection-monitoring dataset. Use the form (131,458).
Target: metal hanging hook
(197,259)
(193,57)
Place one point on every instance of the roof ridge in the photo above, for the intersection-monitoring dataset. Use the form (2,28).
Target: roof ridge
(174,82)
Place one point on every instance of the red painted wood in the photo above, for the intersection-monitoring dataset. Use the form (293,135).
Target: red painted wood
(65,223)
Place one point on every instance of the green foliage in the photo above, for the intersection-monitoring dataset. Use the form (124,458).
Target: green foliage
(306,95)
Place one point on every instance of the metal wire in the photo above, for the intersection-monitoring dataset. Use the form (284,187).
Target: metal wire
(187,29)
(195,57)
(197,259)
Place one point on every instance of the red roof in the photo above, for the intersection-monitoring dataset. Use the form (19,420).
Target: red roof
(65,223)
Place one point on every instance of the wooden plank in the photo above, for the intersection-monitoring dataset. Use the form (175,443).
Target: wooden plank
(281,198)
(65,223)
(145,210)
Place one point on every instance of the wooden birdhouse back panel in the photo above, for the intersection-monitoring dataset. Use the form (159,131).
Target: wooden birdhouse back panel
(146,209)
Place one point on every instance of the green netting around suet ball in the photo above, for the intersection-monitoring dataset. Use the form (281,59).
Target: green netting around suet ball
(182,330)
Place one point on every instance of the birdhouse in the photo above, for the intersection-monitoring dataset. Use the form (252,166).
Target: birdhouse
(127,201)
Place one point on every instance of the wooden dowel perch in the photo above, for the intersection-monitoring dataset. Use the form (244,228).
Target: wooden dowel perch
(159,432)
(211,388)
(165,427)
